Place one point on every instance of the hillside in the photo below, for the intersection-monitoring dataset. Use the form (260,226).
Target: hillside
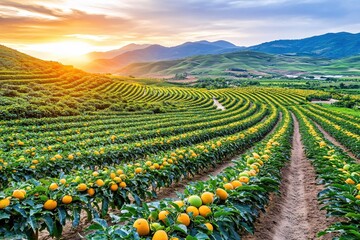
(31,87)
(245,63)
(330,45)
(158,52)
(12,60)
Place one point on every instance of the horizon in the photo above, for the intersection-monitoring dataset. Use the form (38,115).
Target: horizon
(58,30)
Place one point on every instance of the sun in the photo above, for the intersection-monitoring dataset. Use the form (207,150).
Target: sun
(69,50)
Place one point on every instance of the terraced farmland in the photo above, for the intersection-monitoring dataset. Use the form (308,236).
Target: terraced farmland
(265,161)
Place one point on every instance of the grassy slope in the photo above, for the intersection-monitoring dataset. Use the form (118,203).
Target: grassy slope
(350,111)
(251,61)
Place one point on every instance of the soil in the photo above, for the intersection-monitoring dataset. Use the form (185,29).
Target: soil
(218,105)
(330,101)
(294,214)
(336,143)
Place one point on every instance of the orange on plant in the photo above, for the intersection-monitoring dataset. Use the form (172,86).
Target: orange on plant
(183,218)
(66,199)
(114,187)
(350,181)
(228,186)
(81,187)
(163,215)
(53,186)
(122,184)
(207,197)
(204,211)
(19,194)
(50,204)
(4,203)
(236,184)
(63,181)
(209,226)
(193,210)
(100,182)
(195,201)
(142,227)
(138,170)
(221,193)
(179,203)
(91,192)
(160,235)
(244,179)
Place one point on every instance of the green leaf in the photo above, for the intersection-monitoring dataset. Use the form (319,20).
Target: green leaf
(49,223)
(181,228)
(62,215)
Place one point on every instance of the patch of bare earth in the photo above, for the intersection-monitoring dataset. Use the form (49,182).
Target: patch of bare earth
(330,101)
(295,213)
(218,104)
(336,143)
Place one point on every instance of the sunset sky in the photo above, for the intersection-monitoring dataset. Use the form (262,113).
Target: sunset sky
(57,29)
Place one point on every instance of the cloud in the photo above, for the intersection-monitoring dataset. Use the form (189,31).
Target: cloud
(169,22)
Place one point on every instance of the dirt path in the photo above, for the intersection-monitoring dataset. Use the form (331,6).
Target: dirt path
(295,213)
(336,143)
(218,105)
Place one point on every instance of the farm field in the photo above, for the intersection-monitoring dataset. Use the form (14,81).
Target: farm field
(244,161)
(179,120)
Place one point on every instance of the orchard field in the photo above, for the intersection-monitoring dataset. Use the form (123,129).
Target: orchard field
(100,157)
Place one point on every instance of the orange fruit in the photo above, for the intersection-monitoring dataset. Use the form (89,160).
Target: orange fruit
(163,215)
(195,201)
(204,211)
(114,187)
(122,184)
(62,181)
(66,199)
(138,170)
(183,218)
(244,179)
(53,186)
(81,187)
(207,197)
(357,197)
(142,227)
(221,193)
(19,194)
(95,174)
(50,204)
(179,203)
(91,192)
(236,184)
(228,186)
(193,210)
(112,175)
(117,179)
(4,203)
(100,182)
(160,235)
(350,181)
(209,226)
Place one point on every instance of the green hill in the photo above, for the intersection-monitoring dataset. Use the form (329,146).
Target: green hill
(246,63)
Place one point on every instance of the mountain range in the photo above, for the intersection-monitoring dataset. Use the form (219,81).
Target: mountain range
(330,45)
(157,52)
